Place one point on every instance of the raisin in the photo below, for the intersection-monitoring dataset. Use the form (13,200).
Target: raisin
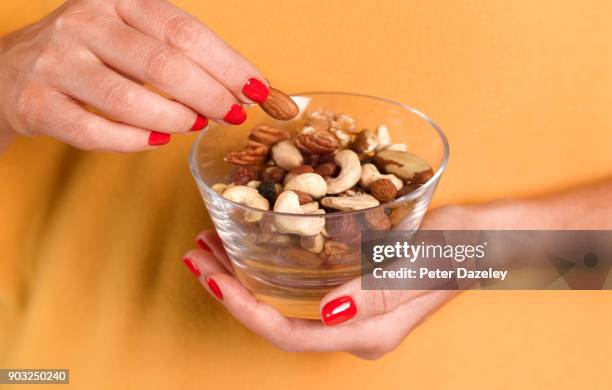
(267,189)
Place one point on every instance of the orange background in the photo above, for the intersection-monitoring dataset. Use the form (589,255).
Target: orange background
(90,271)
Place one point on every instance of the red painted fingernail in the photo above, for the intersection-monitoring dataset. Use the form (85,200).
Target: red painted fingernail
(200,123)
(214,287)
(255,90)
(157,138)
(193,267)
(202,244)
(236,115)
(338,310)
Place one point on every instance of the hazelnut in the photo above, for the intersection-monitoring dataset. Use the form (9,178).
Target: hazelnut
(274,174)
(328,169)
(384,190)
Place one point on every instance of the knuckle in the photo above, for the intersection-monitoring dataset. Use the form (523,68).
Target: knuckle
(182,32)
(283,338)
(26,105)
(380,301)
(219,102)
(162,65)
(120,98)
(226,67)
(74,16)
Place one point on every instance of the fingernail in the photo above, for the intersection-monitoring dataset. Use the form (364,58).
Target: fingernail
(255,90)
(200,123)
(157,138)
(214,287)
(202,244)
(338,310)
(236,115)
(191,266)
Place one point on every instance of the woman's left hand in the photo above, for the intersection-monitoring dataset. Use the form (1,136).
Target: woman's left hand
(366,323)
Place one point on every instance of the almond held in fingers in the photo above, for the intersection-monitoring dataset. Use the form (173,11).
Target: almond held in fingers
(279,105)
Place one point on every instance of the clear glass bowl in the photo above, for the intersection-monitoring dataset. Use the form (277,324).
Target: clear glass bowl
(273,266)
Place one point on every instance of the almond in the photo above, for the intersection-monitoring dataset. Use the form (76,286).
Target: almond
(280,106)
(384,190)
(303,197)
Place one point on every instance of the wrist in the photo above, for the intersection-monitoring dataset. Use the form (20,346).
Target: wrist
(501,215)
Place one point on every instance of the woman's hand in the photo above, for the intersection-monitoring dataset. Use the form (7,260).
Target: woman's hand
(366,323)
(100,53)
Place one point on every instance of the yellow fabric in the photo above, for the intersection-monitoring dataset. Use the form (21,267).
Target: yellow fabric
(90,271)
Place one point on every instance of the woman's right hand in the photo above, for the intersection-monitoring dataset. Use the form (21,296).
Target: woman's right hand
(99,53)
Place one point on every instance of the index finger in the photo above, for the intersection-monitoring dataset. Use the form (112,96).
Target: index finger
(177,28)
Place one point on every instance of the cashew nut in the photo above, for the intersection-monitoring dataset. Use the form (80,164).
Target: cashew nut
(313,243)
(350,203)
(310,208)
(350,172)
(249,197)
(286,155)
(311,183)
(288,202)
(369,174)
(220,187)
(254,184)
(383,136)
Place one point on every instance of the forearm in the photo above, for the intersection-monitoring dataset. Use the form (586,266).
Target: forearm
(582,209)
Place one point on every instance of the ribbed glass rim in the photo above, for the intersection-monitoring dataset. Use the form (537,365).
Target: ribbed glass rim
(193,164)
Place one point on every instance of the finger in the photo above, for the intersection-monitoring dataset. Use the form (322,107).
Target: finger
(370,338)
(210,241)
(166,68)
(167,23)
(128,102)
(200,263)
(349,302)
(66,120)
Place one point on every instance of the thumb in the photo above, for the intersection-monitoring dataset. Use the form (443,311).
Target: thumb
(349,302)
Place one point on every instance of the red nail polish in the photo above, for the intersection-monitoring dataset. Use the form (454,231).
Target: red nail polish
(200,123)
(214,287)
(255,90)
(236,115)
(157,138)
(193,267)
(202,245)
(338,310)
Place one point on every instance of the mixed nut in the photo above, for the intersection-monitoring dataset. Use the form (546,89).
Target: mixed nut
(325,164)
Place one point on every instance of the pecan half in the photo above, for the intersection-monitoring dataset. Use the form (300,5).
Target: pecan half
(269,135)
(299,256)
(254,153)
(313,141)
(339,253)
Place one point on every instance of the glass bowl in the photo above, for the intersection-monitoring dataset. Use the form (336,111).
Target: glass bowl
(274,266)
